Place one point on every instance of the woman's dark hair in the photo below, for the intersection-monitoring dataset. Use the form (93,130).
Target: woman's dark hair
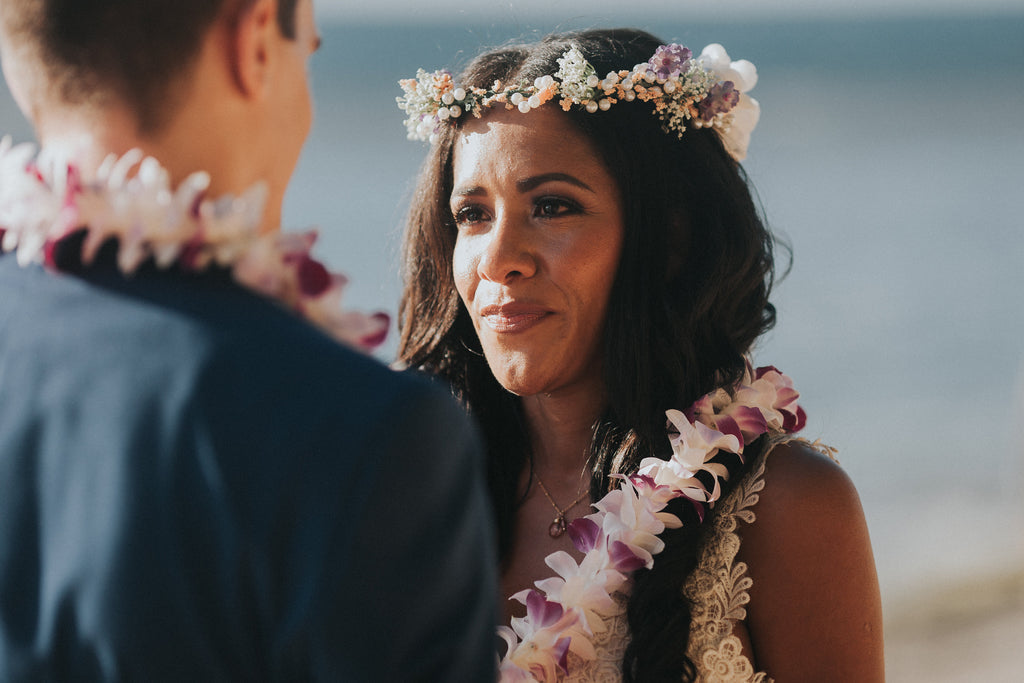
(689,299)
(129,49)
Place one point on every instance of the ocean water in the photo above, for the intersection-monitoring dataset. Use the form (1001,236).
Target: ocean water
(890,156)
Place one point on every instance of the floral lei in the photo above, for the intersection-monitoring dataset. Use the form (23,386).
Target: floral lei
(707,92)
(563,612)
(44,199)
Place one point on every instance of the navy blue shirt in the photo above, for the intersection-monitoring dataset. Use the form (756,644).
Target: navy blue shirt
(197,485)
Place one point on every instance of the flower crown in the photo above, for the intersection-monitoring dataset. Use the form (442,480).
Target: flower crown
(706,92)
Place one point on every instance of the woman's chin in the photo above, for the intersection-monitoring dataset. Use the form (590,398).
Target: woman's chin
(533,374)
(521,377)
(519,385)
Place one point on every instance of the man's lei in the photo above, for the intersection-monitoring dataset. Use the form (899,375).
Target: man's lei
(563,612)
(709,91)
(45,199)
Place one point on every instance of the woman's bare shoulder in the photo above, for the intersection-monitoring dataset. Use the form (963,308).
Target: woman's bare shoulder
(802,481)
(808,501)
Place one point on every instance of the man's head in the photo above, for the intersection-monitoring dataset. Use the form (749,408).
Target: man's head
(214,85)
(133,51)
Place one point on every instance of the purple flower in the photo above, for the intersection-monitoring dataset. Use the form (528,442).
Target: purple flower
(721,99)
(670,60)
(314,279)
(624,559)
(728,425)
(376,338)
(794,417)
(745,421)
(541,612)
(190,253)
(584,534)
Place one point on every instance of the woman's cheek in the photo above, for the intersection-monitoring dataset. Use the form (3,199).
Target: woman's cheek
(464,270)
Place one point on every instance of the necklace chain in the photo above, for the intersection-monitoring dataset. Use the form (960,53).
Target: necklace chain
(559,524)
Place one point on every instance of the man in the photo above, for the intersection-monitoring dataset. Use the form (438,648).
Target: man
(195,483)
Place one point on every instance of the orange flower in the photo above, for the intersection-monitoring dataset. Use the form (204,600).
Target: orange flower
(547,93)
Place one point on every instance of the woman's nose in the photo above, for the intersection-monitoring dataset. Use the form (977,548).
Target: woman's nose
(508,252)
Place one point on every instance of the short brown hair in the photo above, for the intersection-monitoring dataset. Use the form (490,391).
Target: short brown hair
(133,50)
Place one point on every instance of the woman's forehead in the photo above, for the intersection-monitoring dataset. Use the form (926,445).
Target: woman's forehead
(509,139)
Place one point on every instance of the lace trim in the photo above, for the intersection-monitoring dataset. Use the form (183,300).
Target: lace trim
(609,645)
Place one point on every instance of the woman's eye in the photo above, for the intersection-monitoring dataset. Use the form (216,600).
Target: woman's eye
(552,207)
(469,215)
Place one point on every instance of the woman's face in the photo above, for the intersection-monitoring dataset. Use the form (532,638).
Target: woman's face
(540,231)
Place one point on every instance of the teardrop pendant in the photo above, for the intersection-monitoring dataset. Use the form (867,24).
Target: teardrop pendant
(557,527)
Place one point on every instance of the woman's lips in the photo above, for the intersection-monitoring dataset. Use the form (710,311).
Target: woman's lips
(512,317)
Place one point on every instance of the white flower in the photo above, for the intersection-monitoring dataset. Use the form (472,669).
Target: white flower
(772,393)
(544,638)
(742,73)
(715,59)
(586,587)
(692,448)
(575,73)
(632,519)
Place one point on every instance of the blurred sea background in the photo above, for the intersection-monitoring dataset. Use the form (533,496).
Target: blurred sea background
(890,156)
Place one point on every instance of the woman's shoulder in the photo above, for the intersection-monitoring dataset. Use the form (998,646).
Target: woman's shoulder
(803,478)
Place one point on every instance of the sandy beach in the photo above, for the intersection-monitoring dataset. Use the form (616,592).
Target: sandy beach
(969,632)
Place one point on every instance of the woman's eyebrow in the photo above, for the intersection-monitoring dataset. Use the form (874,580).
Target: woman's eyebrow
(472,191)
(536,181)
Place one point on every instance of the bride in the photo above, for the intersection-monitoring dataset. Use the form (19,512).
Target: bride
(590,278)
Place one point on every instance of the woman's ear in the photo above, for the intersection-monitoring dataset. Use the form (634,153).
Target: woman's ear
(253,34)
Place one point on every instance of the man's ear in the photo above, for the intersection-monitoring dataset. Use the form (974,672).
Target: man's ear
(253,34)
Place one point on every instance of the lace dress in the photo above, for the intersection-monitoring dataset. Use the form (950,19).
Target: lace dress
(718,589)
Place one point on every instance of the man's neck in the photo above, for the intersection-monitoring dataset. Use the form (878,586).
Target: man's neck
(89,137)
(86,136)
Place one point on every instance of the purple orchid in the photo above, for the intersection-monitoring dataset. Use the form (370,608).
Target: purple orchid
(542,613)
(314,278)
(794,417)
(749,420)
(584,534)
(624,559)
